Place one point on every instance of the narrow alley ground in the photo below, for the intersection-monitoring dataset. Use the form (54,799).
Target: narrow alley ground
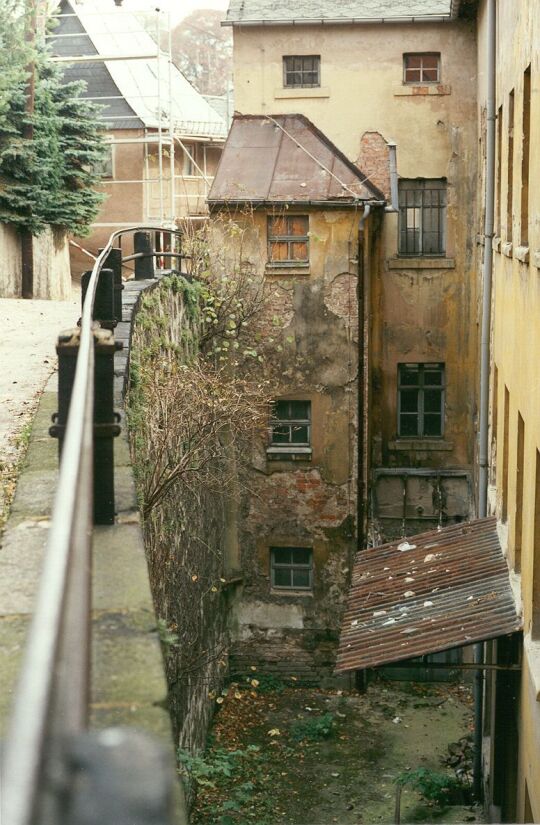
(311,757)
(29,332)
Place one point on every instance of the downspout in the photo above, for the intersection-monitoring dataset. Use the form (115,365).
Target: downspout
(360,515)
(485,358)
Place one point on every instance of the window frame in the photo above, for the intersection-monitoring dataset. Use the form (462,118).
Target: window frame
(289,239)
(291,566)
(189,170)
(422,186)
(423,366)
(421,68)
(277,449)
(301,71)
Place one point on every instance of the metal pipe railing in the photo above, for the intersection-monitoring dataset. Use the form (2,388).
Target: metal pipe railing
(51,701)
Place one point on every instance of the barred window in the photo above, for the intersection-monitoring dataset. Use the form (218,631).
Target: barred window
(422,68)
(302,71)
(420,400)
(291,424)
(291,567)
(288,240)
(422,217)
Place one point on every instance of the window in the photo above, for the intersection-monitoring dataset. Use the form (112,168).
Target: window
(302,71)
(420,400)
(499,167)
(510,168)
(105,167)
(291,424)
(525,157)
(189,169)
(288,240)
(291,568)
(422,217)
(422,68)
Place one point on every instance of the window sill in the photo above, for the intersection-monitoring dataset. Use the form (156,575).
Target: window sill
(421,263)
(289,269)
(422,90)
(521,253)
(317,91)
(286,591)
(506,249)
(289,453)
(420,444)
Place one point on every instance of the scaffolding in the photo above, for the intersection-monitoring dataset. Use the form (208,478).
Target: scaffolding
(171,130)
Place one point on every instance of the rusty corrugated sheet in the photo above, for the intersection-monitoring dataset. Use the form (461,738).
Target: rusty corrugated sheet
(427,593)
(281,160)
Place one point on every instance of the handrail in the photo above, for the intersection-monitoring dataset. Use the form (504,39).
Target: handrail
(39,719)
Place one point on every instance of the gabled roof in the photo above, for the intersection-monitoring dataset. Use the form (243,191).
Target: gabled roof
(251,12)
(111,31)
(426,594)
(285,159)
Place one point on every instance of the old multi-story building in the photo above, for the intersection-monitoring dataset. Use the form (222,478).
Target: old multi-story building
(379,77)
(297,204)
(512,718)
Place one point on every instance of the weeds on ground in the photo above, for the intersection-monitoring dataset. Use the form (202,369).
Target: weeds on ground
(316,728)
(436,788)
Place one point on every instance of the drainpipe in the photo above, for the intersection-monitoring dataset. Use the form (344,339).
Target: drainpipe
(360,515)
(485,357)
(392,160)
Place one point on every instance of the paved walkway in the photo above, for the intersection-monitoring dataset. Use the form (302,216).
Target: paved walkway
(29,332)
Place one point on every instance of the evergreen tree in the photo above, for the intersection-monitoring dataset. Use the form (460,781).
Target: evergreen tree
(48,178)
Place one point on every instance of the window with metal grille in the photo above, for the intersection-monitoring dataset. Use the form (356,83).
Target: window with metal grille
(291,567)
(291,424)
(420,400)
(422,217)
(288,240)
(302,71)
(422,68)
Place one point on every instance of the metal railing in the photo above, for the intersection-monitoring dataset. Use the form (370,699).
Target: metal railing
(52,697)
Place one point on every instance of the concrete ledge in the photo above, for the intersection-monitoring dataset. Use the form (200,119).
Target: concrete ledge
(421,90)
(496,244)
(506,249)
(421,263)
(318,91)
(421,444)
(521,253)
(536,258)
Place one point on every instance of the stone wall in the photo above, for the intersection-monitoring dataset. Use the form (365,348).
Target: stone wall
(52,274)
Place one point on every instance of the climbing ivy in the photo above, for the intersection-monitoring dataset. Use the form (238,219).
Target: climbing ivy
(47,172)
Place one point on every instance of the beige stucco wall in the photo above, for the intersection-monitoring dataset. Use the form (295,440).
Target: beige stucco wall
(52,275)
(515,353)
(421,310)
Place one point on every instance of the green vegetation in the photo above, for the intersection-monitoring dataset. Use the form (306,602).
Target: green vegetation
(319,727)
(48,159)
(438,788)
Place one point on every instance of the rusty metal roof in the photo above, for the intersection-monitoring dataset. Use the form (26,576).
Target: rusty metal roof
(285,159)
(427,593)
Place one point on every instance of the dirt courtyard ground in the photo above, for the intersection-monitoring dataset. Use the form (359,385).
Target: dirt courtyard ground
(311,757)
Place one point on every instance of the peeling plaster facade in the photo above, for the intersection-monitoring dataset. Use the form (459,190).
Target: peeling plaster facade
(417,309)
(302,503)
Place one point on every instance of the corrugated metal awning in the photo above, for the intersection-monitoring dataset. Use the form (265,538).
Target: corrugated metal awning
(425,594)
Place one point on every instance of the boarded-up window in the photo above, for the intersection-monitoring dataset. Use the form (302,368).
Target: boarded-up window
(422,68)
(288,240)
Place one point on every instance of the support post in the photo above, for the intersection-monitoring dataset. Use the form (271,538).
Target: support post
(144,267)
(114,261)
(106,426)
(67,349)
(104,309)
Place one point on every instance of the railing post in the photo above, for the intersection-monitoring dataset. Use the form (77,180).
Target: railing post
(104,308)
(144,267)
(67,349)
(114,261)
(106,426)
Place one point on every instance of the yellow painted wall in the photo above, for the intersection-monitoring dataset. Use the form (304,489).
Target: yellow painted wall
(516,351)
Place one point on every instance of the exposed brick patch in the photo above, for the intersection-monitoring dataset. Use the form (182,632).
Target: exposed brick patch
(341,299)
(373,160)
